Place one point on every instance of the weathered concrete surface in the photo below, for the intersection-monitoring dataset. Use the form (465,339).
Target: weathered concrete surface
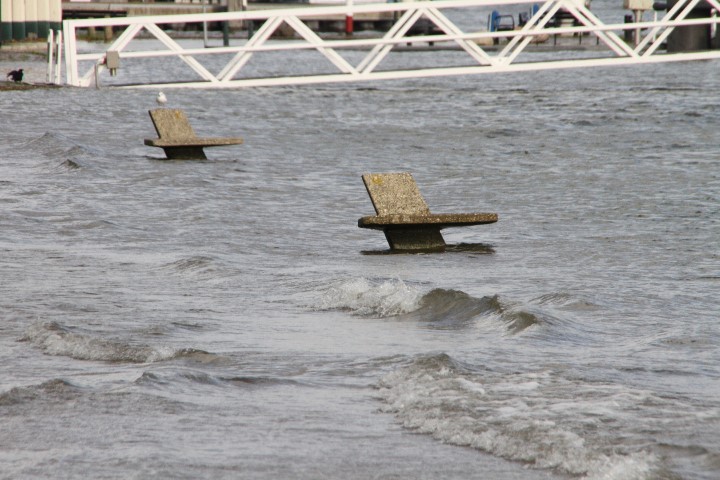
(437,220)
(404,217)
(414,239)
(395,193)
(177,137)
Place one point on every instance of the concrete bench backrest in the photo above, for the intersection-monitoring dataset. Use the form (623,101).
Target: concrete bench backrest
(395,194)
(171,124)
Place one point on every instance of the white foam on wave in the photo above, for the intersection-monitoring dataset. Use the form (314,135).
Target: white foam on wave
(55,339)
(368,298)
(539,418)
(437,308)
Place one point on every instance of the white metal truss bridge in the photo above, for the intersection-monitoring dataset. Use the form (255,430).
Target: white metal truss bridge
(355,58)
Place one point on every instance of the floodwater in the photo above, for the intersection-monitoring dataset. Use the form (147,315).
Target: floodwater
(227,319)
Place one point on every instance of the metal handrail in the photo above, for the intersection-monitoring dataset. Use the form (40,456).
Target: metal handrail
(480,58)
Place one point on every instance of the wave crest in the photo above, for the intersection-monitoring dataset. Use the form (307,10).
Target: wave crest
(55,145)
(451,309)
(56,339)
(21,395)
(538,418)
(441,309)
(366,298)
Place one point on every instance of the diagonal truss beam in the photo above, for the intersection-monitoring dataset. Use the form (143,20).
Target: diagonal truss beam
(481,59)
(450,28)
(611,39)
(243,56)
(396,32)
(671,14)
(173,46)
(538,21)
(312,38)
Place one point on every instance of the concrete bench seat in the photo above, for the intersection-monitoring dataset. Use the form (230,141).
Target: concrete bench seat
(405,218)
(177,137)
(439,220)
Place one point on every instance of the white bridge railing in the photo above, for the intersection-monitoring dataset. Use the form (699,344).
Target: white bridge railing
(353,59)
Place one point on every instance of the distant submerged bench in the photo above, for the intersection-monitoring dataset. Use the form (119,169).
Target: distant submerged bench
(405,217)
(177,137)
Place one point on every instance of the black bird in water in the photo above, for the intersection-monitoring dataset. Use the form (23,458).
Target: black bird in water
(16,75)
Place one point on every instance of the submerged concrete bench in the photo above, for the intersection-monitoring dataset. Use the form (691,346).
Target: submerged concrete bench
(177,137)
(405,218)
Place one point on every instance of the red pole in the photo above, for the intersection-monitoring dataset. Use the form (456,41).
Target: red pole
(349,19)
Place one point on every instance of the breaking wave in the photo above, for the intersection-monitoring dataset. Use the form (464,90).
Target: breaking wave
(441,309)
(539,418)
(56,339)
(366,298)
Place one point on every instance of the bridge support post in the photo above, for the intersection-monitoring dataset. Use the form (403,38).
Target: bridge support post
(690,38)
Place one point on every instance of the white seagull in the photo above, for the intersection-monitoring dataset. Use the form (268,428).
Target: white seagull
(161,99)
